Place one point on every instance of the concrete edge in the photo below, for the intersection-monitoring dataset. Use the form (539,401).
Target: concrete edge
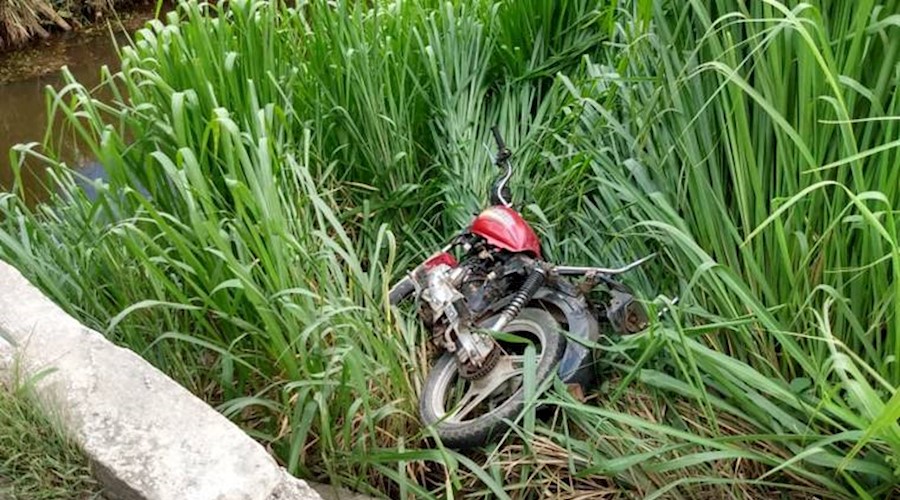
(148,437)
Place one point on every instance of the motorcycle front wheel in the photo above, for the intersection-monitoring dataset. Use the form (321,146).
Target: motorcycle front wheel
(468,413)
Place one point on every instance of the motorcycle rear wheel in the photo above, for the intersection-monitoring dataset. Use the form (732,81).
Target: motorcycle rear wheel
(502,386)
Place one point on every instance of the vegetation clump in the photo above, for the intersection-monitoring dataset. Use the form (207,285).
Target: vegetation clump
(299,157)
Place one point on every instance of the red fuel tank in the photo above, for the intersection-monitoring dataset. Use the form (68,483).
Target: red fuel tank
(503,227)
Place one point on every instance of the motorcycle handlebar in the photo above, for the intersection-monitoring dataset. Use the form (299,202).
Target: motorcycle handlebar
(503,153)
(499,138)
(573,271)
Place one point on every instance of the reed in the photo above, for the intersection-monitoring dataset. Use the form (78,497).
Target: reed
(299,157)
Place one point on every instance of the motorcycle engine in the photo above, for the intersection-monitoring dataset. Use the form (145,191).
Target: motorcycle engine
(489,279)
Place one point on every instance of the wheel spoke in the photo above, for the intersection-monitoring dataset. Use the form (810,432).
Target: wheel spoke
(507,368)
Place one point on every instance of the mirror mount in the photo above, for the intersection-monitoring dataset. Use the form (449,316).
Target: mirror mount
(500,193)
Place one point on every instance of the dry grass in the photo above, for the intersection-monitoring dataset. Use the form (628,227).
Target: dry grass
(24,20)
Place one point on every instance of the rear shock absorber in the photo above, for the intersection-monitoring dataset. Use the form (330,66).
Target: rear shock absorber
(532,284)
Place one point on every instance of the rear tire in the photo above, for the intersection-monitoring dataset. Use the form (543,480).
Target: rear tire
(457,432)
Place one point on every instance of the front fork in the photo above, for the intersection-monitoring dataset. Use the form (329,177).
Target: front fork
(533,283)
(476,348)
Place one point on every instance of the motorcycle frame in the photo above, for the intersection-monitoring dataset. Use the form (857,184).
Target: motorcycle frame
(559,295)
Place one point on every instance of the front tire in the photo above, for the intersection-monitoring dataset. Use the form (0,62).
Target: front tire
(401,290)
(457,427)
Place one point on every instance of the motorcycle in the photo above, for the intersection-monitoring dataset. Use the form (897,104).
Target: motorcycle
(485,310)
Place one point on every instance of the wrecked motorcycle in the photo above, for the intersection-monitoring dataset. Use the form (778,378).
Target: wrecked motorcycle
(484,309)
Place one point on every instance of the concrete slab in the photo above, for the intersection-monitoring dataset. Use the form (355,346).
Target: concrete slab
(148,437)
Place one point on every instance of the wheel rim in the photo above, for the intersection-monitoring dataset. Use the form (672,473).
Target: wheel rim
(469,400)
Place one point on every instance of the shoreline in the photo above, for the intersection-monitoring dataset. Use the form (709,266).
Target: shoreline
(35,58)
(43,20)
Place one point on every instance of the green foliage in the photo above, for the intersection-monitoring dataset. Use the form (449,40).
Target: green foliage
(284,146)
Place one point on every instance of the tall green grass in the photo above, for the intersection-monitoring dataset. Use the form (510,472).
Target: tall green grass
(299,157)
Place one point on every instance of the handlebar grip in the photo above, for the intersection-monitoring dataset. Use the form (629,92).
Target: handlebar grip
(401,290)
(499,138)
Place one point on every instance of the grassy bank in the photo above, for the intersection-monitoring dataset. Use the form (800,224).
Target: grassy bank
(297,159)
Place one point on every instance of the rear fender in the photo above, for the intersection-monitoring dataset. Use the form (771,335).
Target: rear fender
(576,364)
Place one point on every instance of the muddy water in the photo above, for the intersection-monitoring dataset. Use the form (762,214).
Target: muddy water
(26,73)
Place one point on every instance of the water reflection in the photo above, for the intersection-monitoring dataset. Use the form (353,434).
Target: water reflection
(24,76)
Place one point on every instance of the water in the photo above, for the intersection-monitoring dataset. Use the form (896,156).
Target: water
(25,74)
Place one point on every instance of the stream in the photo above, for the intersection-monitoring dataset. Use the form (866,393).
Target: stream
(25,74)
